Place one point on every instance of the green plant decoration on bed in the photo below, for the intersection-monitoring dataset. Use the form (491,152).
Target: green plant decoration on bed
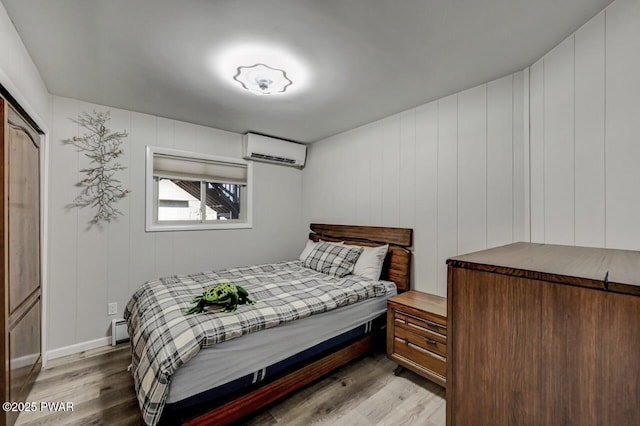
(225,295)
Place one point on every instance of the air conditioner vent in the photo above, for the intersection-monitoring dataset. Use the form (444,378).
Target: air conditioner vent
(272,158)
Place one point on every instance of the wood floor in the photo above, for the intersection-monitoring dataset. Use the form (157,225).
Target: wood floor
(365,392)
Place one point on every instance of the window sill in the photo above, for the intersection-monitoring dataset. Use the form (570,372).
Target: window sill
(196,227)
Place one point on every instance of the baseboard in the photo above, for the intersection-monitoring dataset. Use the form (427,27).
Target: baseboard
(78,347)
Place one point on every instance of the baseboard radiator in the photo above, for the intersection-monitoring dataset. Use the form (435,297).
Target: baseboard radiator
(119,332)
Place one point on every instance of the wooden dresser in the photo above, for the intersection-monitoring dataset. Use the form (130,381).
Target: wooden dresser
(417,334)
(543,334)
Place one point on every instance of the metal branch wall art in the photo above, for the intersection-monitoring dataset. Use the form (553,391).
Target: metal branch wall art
(100,187)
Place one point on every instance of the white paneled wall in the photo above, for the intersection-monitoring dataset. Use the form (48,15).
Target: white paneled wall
(453,170)
(425,236)
(589,134)
(520,186)
(622,125)
(585,127)
(92,266)
(558,144)
(447,191)
(472,175)
(536,153)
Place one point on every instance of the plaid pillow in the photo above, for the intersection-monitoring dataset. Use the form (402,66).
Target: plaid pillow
(333,259)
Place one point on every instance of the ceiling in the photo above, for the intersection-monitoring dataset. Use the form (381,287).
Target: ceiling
(364,59)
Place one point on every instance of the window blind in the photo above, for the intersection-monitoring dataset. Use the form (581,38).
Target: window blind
(168,166)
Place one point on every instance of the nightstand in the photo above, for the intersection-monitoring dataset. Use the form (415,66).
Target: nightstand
(417,334)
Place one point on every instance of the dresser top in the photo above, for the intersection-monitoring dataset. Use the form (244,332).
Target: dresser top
(583,266)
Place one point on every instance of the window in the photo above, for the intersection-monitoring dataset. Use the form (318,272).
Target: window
(186,190)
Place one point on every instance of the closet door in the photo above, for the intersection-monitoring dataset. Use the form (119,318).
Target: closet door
(21,263)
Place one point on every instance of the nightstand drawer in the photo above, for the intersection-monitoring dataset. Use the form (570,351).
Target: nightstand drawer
(433,342)
(420,323)
(411,326)
(422,357)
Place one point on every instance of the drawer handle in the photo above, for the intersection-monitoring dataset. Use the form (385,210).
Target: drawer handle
(430,341)
(433,324)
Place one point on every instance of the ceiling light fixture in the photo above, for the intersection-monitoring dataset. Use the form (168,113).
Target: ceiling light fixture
(262,79)
(237,58)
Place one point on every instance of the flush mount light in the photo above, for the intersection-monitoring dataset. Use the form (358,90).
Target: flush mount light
(262,79)
(231,59)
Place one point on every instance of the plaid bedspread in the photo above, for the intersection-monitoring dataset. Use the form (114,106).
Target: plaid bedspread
(163,338)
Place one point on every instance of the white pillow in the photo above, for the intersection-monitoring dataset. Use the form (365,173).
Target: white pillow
(310,246)
(370,262)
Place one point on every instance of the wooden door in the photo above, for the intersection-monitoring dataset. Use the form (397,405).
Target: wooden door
(21,259)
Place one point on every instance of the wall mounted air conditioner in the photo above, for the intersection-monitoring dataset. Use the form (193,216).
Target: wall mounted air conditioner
(272,150)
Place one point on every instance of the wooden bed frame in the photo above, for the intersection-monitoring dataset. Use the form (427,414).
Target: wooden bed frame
(397,268)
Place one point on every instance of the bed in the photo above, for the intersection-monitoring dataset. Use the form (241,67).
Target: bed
(227,380)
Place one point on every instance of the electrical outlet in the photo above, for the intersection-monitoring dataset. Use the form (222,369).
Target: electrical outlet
(112,308)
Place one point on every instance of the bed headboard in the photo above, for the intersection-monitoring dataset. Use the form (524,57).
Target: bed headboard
(397,265)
